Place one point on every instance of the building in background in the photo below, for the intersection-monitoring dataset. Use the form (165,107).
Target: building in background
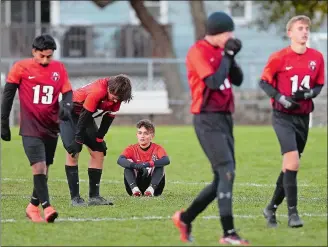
(88,34)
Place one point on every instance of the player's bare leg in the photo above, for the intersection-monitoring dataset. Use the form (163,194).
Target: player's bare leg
(39,171)
(291,165)
(72,174)
(95,171)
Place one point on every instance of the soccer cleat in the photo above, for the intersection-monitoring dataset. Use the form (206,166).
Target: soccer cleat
(136,191)
(233,239)
(78,202)
(98,201)
(295,221)
(185,229)
(50,214)
(33,213)
(270,216)
(149,191)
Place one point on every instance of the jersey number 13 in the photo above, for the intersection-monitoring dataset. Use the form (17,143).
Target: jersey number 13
(45,99)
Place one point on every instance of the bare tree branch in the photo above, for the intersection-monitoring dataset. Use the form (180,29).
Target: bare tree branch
(199,18)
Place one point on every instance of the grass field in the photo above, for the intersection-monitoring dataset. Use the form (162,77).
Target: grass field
(146,221)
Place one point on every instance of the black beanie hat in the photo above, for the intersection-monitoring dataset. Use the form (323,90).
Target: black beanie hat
(219,22)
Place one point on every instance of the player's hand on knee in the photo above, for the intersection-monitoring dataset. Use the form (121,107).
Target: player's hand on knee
(140,168)
(5,131)
(102,146)
(287,102)
(74,148)
(232,47)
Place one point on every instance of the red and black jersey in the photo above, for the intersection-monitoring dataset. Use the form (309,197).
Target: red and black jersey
(39,89)
(287,71)
(138,155)
(203,60)
(93,97)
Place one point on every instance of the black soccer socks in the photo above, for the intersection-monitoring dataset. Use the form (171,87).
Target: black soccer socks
(41,188)
(279,193)
(34,198)
(94,181)
(130,178)
(290,186)
(72,174)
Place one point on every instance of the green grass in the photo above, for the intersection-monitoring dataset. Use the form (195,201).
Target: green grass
(258,163)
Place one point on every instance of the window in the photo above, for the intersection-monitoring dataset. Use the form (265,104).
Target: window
(22,11)
(241,11)
(155,8)
(3,11)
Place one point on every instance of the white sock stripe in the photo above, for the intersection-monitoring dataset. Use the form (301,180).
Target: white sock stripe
(210,217)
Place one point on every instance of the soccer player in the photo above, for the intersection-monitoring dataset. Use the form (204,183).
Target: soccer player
(212,70)
(102,97)
(292,77)
(39,80)
(144,163)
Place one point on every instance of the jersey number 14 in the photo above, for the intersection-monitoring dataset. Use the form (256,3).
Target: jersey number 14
(45,99)
(304,83)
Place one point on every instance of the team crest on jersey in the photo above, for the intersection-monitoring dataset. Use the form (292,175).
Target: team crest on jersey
(312,65)
(154,157)
(55,76)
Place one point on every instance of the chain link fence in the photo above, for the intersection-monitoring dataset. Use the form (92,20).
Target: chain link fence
(152,93)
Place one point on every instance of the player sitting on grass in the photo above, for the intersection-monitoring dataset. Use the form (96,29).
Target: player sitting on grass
(144,163)
(78,127)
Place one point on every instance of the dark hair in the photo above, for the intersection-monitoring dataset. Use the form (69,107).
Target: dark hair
(44,42)
(120,86)
(147,124)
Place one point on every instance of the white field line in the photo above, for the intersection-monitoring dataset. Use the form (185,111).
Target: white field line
(169,181)
(144,218)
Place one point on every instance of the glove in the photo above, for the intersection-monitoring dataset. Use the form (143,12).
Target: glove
(232,47)
(140,168)
(74,148)
(65,110)
(5,131)
(305,93)
(287,102)
(102,146)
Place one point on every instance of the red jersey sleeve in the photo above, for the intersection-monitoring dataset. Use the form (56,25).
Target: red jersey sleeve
(128,152)
(271,68)
(66,87)
(321,73)
(15,74)
(199,63)
(92,100)
(161,152)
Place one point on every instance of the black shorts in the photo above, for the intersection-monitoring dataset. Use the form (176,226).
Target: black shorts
(291,130)
(40,149)
(68,129)
(215,135)
(143,184)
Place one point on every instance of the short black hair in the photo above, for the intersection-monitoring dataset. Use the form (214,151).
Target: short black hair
(149,126)
(44,42)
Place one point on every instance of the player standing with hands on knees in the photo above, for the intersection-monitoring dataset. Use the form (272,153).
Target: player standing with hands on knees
(102,97)
(211,71)
(292,77)
(39,80)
